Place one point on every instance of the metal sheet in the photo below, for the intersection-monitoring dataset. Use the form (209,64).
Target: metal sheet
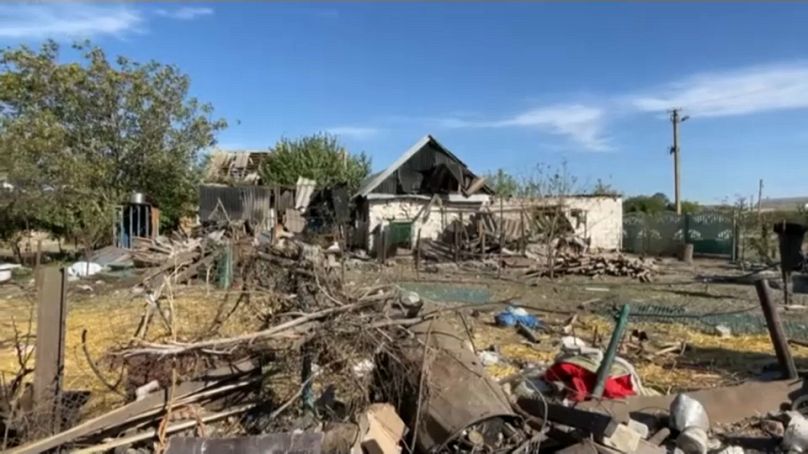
(245,203)
(303,191)
(726,405)
(458,394)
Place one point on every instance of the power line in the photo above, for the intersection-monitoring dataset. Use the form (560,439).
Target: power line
(725,98)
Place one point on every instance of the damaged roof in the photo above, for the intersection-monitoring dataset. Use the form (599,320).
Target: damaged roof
(241,165)
(400,180)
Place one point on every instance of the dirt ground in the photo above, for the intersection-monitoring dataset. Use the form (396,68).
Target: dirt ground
(109,312)
(695,294)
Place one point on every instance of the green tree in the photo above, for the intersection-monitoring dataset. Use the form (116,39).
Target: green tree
(319,157)
(688,207)
(77,137)
(656,203)
(503,183)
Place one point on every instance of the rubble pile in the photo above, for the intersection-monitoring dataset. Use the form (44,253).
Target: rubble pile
(323,356)
(569,255)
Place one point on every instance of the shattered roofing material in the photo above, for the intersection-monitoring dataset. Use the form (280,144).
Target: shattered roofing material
(373,181)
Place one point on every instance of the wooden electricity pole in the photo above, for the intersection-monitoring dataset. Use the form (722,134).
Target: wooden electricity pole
(675,120)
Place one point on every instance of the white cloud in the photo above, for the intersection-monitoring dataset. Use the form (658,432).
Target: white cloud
(736,92)
(580,123)
(60,20)
(354,132)
(741,91)
(184,13)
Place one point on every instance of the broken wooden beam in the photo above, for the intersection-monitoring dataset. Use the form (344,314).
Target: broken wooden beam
(776,332)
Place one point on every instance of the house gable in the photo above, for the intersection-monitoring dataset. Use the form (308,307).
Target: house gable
(426,168)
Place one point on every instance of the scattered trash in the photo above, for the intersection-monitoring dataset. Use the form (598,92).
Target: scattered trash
(84,269)
(352,345)
(384,430)
(517,315)
(639,427)
(363,368)
(409,298)
(572,343)
(489,358)
(690,419)
(723,330)
(624,439)
(795,438)
(579,373)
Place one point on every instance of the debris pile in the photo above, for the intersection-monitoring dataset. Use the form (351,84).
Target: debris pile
(599,265)
(339,368)
(180,258)
(322,356)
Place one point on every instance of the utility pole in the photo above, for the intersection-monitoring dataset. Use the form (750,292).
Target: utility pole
(675,120)
(760,196)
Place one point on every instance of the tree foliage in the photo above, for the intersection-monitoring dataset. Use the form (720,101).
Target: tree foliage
(653,204)
(503,183)
(543,180)
(77,137)
(319,157)
(657,203)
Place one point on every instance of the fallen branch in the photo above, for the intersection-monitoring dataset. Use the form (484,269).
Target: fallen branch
(174,349)
(97,371)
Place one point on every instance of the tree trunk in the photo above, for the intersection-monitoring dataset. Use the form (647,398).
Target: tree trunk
(15,248)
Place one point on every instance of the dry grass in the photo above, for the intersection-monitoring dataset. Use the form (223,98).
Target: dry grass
(709,360)
(111,320)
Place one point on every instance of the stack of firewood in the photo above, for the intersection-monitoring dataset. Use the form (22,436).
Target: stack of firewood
(599,265)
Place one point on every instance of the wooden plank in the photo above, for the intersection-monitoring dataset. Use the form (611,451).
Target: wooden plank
(152,404)
(279,443)
(50,348)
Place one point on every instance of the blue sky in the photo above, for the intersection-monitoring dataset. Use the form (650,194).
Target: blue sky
(502,85)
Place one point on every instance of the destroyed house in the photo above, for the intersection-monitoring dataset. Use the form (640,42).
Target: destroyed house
(419,195)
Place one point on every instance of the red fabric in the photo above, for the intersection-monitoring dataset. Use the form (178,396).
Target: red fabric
(581,382)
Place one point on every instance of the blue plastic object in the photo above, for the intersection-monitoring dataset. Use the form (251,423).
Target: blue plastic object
(513,315)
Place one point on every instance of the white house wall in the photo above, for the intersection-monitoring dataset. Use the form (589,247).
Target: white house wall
(602,225)
(430,222)
(603,222)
